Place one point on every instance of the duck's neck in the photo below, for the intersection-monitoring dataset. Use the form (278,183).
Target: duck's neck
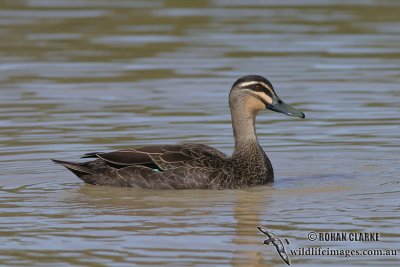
(243,123)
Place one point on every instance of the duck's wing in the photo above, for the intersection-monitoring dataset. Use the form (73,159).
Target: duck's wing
(176,178)
(164,157)
(156,167)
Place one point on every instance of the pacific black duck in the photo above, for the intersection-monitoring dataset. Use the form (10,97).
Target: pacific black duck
(195,166)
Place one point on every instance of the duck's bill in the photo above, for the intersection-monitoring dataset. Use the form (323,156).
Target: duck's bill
(280,106)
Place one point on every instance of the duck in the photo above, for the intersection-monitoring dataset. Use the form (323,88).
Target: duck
(195,166)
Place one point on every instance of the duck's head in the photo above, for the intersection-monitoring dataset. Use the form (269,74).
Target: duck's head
(257,93)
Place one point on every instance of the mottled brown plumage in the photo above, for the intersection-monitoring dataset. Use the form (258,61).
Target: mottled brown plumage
(195,166)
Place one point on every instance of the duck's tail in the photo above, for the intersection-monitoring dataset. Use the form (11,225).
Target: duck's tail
(79,169)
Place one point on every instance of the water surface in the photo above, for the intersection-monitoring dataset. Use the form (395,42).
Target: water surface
(83,76)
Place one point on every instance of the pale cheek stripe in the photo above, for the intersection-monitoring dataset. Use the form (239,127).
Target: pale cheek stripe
(264,97)
(261,95)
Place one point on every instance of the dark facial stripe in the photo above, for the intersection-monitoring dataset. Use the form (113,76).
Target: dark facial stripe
(259,88)
(263,101)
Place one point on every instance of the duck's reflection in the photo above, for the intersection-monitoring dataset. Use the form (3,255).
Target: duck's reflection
(194,224)
(250,206)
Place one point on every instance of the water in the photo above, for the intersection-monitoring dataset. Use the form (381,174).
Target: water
(83,76)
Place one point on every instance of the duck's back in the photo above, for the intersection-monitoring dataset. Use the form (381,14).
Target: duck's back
(157,167)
